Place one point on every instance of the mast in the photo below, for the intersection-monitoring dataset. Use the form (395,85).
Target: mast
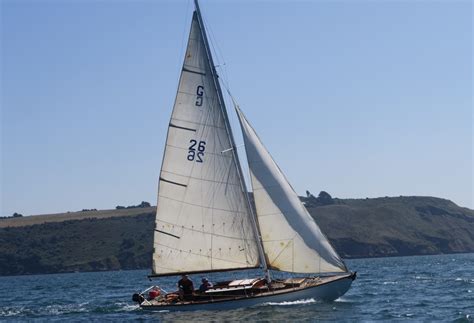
(231,139)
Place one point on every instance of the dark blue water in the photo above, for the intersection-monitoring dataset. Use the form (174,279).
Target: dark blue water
(428,288)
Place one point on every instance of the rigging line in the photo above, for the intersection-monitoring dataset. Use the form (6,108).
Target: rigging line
(246,165)
(292,240)
(218,53)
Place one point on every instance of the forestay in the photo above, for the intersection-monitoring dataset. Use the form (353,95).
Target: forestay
(292,241)
(203,221)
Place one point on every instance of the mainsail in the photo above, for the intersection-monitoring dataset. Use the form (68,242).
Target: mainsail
(292,241)
(203,219)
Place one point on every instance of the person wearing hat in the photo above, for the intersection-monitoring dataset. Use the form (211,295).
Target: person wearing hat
(205,285)
(186,288)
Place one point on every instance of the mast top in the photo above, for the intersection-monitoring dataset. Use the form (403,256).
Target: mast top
(196,5)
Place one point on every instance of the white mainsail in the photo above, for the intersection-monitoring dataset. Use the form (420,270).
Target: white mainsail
(292,241)
(203,221)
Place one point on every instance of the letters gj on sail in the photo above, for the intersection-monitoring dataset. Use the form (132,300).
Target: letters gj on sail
(205,221)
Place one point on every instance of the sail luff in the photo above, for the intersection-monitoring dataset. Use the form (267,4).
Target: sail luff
(233,147)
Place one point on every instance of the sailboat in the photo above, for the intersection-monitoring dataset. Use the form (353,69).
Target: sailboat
(205,219)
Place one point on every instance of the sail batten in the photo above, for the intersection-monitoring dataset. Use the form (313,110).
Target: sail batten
(292,241)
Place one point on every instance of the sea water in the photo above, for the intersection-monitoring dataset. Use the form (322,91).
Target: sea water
(424,288)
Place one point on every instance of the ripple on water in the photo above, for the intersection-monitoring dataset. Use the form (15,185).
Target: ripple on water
(11,311)
(299,302)
(344,299)
(126,307)
(420,288)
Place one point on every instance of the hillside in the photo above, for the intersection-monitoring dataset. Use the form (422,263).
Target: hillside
(80,215)
(396,226)
(122,239)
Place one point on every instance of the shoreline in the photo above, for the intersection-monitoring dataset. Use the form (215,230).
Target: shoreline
(177,275)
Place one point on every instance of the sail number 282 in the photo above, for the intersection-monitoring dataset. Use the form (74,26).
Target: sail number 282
(196,150)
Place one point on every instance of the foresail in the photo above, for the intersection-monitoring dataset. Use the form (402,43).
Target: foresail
(292,241)
(203,221)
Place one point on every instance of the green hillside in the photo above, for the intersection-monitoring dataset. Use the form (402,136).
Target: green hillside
(77,245)
(111,240)
(396,226)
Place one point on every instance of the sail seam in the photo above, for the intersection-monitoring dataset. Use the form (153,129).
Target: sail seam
(275,258)
(205,232)
(207,97)
(276,213)
(201,179)
(200,255)
(276,240)
(204,207)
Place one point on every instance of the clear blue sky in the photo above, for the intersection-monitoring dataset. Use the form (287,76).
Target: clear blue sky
(358,98)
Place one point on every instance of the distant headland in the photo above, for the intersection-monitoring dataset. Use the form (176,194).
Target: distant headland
(97,240)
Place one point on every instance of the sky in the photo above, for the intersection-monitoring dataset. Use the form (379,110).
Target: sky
(356,98)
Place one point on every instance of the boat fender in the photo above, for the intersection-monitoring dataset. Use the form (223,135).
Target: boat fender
(138,298)
(154,293)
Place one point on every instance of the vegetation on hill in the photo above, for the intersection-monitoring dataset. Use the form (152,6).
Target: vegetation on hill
(396,226)
(80,215)
(143,204)
(77,245)
(14,215)
(122,239)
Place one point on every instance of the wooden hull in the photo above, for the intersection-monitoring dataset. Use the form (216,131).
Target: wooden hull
(328,290)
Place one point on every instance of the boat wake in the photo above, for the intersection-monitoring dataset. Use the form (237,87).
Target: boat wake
(298,302)
(57,309)
(343,300)
(390,282)
(126,307)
